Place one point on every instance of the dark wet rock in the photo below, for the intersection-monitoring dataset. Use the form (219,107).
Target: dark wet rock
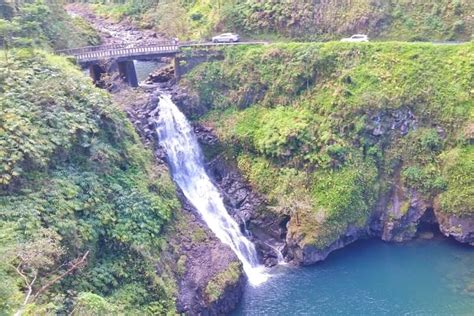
(139,112)
(205,135)
(187,102)
(163,74)
(460,227)
(306,254)
(402,216)
(400,120)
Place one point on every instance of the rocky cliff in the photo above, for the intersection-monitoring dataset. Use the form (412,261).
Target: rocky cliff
(339,142)
(209,277)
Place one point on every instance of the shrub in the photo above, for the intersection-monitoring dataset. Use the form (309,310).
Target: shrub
(458,170)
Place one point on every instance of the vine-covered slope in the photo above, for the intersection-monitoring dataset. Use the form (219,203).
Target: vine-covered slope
(76,181)
(334,134)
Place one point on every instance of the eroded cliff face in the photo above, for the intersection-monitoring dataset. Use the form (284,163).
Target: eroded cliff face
(460,228)
(208,275)
(399,216)
(331,149)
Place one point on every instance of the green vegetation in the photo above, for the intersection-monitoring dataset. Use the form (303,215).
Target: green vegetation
(458,170)
(76,183)
(303,19)
(43,24)
(323,130)
(221,281)
(400,20)
(184,19)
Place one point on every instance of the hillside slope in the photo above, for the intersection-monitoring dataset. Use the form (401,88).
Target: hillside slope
(75,181)
(348,140)
(90,222)
(404,20)
(42,24)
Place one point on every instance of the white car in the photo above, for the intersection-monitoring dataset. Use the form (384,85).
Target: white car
(226,38)
(356,38)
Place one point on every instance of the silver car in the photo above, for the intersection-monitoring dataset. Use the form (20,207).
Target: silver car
(226,38)
(356,38)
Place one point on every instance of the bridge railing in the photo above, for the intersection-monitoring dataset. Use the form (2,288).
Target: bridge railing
(87,49)
(91,53)
(119,50)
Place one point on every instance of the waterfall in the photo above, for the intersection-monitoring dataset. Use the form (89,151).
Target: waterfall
(280,258)
(186,163)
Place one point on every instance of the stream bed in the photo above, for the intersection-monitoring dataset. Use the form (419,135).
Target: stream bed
(422,277)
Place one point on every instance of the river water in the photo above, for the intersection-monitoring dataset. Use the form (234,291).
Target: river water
(144,68)
(423,277)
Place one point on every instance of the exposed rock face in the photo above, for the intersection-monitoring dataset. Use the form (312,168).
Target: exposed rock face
(307,254)
(194,255)
(229,299)
(395,121)
(199,256)
(460,228)
(266,230)
(402,216)
(164,74)
(188,103)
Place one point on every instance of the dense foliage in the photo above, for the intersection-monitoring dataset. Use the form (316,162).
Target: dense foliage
(43,24)
(75,181)
(324,130)
(401,19)
(302,19)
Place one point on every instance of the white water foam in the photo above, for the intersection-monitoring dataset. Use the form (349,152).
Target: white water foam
(185,160)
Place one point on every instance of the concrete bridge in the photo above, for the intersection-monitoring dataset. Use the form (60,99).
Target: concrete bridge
(125,54)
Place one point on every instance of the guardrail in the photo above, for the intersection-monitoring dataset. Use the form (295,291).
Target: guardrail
(90,53)
(87,49)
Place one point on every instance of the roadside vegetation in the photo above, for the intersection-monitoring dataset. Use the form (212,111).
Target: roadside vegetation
(403,20)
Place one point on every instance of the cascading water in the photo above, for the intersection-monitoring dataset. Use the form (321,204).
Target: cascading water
(186,164)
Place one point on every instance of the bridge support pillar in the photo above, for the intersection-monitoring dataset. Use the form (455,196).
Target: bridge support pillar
(96,71)
(128,73)
(177,70)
